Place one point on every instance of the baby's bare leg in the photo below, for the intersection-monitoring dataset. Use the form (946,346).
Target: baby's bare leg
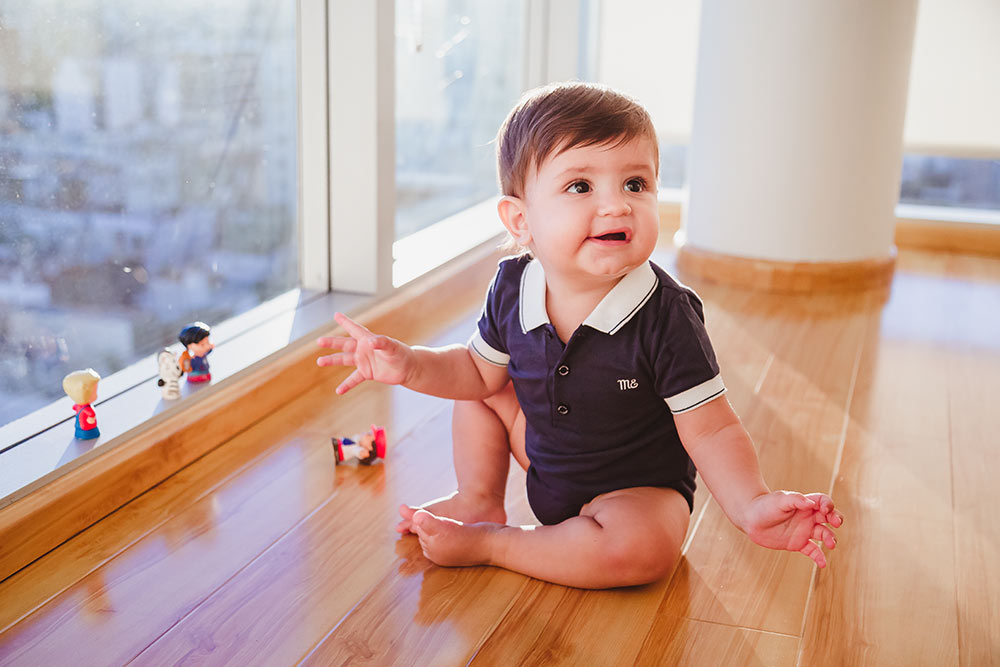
(484,433)
(622,538)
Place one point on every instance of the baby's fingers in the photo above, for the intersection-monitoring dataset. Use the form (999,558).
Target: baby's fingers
(813,551)
(335,342)
(824,504)
(824,535)
(352,381)
(792,500)
(354,329)
(339,359)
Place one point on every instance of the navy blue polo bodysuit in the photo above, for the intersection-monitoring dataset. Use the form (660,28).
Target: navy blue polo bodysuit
(598,409)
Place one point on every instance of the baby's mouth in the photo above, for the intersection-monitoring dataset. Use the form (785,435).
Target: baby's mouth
(621,235)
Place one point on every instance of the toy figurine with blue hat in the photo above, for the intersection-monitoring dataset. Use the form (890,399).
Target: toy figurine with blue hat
(197,346)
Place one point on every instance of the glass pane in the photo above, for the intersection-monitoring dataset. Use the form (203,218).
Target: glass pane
(459,70)
(943,181)
(148,178)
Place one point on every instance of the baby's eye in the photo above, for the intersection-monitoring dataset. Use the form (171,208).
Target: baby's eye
(579,188)
(635,185)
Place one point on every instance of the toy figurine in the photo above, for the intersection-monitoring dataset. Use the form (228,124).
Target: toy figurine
(194,338)
(365,448)
(81,386)
(170,374)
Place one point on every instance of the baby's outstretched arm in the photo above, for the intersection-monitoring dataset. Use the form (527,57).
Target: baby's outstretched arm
(725,457)
(448,372)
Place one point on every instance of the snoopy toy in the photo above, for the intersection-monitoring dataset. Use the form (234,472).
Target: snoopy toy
(170,375)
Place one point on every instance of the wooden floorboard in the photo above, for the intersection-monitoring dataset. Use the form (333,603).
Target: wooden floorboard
(975,391)
(895,567)
(264,552)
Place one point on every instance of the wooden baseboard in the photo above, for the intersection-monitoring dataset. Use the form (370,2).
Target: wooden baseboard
(785,277)
(948,236)
(144,457)
(973,238)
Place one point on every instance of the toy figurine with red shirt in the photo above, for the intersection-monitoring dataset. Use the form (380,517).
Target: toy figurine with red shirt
(81,386)
(195,339)
(365,448)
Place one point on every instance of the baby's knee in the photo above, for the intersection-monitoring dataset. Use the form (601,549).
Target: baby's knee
(641,532)
(638,559)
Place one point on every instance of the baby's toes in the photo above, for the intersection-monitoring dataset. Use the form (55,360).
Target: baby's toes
(406,524)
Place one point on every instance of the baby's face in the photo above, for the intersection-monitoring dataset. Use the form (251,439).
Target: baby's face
(591,213)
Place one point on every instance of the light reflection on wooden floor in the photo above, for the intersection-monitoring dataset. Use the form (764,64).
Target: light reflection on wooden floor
(263,552)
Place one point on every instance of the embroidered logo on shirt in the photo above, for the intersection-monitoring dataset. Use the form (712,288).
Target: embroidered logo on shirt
(628,384)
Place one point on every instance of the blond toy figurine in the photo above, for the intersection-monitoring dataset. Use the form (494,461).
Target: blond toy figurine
(81,386)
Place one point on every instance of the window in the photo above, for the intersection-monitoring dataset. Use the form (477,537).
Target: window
(148,178)
(459,69)
(953,182)
(460,66)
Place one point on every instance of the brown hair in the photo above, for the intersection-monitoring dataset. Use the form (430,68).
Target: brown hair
(561,116)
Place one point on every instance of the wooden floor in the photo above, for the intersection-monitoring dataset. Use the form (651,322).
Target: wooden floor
(263,552)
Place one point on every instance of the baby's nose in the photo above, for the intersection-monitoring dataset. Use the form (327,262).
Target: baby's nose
(614,205)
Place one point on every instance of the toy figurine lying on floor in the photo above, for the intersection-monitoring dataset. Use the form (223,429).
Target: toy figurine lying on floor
(365,448)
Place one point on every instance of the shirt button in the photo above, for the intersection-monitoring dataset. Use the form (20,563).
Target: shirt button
(564,370)
(563,409)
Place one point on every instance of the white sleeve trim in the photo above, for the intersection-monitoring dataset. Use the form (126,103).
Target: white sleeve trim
(487,353)
(696,396)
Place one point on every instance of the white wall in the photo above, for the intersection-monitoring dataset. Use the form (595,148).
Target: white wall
(648,49)
(954,100)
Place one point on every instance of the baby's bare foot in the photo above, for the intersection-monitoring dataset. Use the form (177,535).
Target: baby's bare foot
(452,543)
(467,508)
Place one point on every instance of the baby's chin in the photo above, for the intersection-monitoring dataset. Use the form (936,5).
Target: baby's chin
(612,271)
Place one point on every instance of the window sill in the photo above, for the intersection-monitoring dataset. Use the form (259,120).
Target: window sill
(45,444)
(418,253)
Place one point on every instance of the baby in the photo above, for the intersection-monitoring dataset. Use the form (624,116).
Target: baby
(591,365)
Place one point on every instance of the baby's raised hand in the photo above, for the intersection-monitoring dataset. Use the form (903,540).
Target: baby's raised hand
(374,357)
(792,521)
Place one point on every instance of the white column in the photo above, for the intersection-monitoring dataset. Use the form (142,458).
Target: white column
(796,142)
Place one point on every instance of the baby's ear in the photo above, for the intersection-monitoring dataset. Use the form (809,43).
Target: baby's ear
(511,210)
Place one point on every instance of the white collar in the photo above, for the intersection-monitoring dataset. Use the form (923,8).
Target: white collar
(611,314)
